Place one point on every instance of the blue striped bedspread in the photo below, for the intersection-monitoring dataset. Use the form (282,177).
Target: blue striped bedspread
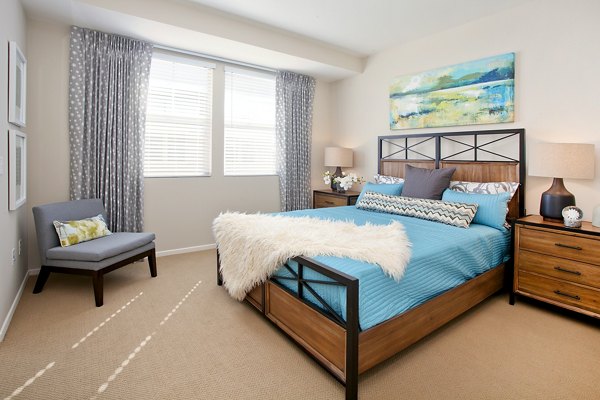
(443,257)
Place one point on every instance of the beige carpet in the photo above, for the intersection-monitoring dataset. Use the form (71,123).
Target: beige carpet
(176,338)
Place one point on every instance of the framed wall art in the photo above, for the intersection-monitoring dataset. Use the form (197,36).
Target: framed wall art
(17,169)
(475,92)
(17,85)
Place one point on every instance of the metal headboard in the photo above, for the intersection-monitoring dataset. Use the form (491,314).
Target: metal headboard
(468,151)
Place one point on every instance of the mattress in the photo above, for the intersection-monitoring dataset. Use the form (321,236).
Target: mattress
(443,257)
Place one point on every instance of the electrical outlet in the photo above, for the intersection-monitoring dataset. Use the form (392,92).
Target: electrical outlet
(20,246)
(13,256)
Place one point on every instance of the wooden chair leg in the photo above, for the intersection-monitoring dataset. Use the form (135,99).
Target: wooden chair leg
(41,279)
(152,263)
(98,282)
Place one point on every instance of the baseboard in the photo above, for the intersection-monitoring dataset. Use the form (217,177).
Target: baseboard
(186,250)
(13,307)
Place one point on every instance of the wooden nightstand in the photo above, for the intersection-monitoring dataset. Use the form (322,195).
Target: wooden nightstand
(328,198)
(558,265)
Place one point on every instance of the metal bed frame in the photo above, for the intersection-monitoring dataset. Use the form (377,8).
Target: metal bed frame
(338,342)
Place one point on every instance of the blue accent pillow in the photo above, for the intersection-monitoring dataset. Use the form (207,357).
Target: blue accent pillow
(393,189)
(492,207)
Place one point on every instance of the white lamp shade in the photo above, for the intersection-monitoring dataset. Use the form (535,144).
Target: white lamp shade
(338,157)
(562,160)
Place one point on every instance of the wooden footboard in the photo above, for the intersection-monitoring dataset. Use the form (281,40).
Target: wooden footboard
(338,344)
(392,336)
(322,338)
(326,336)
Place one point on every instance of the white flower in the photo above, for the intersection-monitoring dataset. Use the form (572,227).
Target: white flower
(347,180)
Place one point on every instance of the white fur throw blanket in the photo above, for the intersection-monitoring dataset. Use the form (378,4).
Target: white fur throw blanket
(253,246)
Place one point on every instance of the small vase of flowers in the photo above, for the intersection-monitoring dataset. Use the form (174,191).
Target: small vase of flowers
(341,183)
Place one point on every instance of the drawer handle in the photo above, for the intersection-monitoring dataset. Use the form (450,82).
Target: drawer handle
(568,246)
(572,296)
(329,202)
(568,271)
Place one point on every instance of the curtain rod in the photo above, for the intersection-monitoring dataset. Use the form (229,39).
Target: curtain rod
(214,58)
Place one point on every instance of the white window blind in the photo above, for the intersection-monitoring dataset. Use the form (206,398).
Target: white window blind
(249,122)
(178,117)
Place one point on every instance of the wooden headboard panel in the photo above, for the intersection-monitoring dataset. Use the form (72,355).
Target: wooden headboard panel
(478,156)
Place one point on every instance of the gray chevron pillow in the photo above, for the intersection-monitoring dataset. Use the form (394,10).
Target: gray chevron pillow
(457,214)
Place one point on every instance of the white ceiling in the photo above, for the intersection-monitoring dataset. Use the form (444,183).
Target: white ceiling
(328,39)
(364,27)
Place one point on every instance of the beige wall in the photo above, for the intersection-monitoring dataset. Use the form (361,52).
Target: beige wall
(179,210)
(48,45)
(13,224)
(557,83)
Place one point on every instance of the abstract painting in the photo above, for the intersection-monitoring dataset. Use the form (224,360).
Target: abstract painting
(476,92)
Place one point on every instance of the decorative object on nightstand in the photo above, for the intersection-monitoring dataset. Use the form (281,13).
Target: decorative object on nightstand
(337,157)
(558,161)
(325,198)
(558,265)
(345,182)
(342,183)
(596,216)
(572,216)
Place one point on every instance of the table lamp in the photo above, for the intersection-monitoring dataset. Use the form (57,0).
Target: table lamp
(338,157)
(559,161)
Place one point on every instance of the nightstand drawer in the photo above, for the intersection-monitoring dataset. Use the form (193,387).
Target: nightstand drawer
(560,291)
(560,245)
(560,268)
(326,198)
(323,200)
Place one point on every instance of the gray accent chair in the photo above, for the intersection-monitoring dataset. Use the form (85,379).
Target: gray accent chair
(95,257)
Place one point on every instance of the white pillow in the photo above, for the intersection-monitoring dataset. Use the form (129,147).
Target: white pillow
(485,187)
(386,179)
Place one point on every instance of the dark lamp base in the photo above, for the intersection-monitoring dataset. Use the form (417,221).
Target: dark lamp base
(554,200)
(336,174)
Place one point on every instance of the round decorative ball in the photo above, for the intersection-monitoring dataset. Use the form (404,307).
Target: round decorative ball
(572,216)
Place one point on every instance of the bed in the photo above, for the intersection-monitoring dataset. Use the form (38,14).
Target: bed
(315,301)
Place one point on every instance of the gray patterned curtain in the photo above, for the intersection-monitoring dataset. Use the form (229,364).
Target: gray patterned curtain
(108,86)
(295,95)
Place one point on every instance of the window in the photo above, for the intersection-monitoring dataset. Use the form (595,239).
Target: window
(178,117)
(249,122)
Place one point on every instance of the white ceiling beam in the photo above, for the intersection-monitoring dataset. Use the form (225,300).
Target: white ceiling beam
(205,30)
